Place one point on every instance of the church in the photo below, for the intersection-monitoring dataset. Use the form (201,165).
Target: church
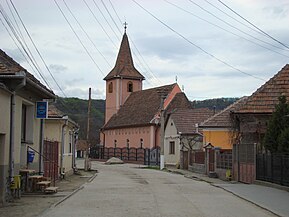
(132,115)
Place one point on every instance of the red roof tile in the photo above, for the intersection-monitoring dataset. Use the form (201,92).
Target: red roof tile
(141,107)
(265,98)
(186,119)
(124,66)
(9,66)
(223,118)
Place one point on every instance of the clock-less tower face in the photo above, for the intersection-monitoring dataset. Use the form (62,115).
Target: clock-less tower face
(122,80)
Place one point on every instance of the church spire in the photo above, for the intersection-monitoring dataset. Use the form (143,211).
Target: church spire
(124,66)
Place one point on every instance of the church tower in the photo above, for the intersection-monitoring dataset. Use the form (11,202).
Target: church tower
(122,80)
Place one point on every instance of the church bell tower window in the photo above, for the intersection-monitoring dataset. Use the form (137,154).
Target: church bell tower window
(130,87)
(110,87)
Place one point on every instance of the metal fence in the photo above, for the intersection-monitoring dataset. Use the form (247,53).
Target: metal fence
(144,156)
(273,168)
(224,159)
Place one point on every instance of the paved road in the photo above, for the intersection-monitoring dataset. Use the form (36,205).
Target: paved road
(129,191)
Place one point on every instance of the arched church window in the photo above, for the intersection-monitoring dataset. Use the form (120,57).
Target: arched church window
(110,87)
(127,143)
(129,86)
(141,143)
(115,143)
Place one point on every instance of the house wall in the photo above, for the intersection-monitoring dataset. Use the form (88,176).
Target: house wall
(171,135)
(4,140)
(53,132)
(119,95)
(20,147)
(218,138)
(134,134)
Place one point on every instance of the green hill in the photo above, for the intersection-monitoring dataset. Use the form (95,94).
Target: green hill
(77,108)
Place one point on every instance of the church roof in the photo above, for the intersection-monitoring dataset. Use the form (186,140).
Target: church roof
(124,66)
(141,107)
(186,119)
(265,98)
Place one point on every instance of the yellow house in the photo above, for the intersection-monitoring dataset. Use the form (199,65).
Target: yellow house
(19,127)
(63,131)
(219,130)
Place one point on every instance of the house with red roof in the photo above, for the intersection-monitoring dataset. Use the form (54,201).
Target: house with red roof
(251,120)
(182,135)
(132,115)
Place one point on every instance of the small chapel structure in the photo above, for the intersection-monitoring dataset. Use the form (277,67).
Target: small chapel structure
(132,115)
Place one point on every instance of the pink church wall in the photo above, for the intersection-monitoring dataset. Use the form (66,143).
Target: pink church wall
(133,135)
(175,90)
(137,85)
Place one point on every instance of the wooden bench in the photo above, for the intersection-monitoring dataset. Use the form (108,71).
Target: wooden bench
(43,185)
(50,190)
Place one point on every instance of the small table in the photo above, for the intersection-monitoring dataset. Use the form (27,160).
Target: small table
(25,173)
(43,184)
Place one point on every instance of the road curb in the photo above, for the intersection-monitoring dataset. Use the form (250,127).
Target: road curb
(250,201)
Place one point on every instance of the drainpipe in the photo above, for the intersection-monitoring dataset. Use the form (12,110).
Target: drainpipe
(21,75)
(62,145)
(74,140)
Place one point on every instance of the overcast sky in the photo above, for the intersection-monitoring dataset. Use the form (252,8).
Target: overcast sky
(161,51)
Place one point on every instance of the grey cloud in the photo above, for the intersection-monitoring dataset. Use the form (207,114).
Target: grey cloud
(57,68)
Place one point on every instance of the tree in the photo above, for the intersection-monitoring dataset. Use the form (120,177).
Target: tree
(277,127)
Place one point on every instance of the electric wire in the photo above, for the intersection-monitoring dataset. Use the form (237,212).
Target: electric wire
(37,50)
(265,33)
(213,24)
(76,35)
(195,45)
(232,26)
(103,29)
(34,63)
(106,20)
(72,14)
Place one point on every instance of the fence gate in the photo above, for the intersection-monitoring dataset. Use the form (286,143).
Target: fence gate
(50,160)
(246,163)
(211,160)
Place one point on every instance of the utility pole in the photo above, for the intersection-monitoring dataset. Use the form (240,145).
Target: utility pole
(162,163)
(86,161)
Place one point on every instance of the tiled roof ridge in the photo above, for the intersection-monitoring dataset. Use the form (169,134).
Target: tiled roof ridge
(11,61)
(264,86)
(156,88)
(224,110)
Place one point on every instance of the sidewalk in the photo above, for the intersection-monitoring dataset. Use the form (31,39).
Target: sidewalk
(271,199)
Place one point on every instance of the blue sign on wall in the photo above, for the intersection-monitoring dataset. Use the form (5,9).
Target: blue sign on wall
(41,109)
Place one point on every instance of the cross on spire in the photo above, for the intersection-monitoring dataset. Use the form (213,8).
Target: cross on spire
(125,26)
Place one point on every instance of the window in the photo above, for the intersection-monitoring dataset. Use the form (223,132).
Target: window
(141,143)
(23,123)
(172,148)
(27,117)
(130,87)
(110,87)
(127,143)
(115,143)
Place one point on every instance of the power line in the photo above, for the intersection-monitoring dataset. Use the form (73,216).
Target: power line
(103,29)
(85,33)
(37,49)
(190,42)
(224,28)
(30,56)
(106,20)
(253,25)
(78,37)
(234,26)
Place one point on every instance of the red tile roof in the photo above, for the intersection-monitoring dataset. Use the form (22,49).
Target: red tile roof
(141,107)
(53,112)
(124,66)
(186,119)
(223,118)
(9,66)
(266,97)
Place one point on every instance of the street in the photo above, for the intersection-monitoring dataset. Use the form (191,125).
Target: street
(129,190)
